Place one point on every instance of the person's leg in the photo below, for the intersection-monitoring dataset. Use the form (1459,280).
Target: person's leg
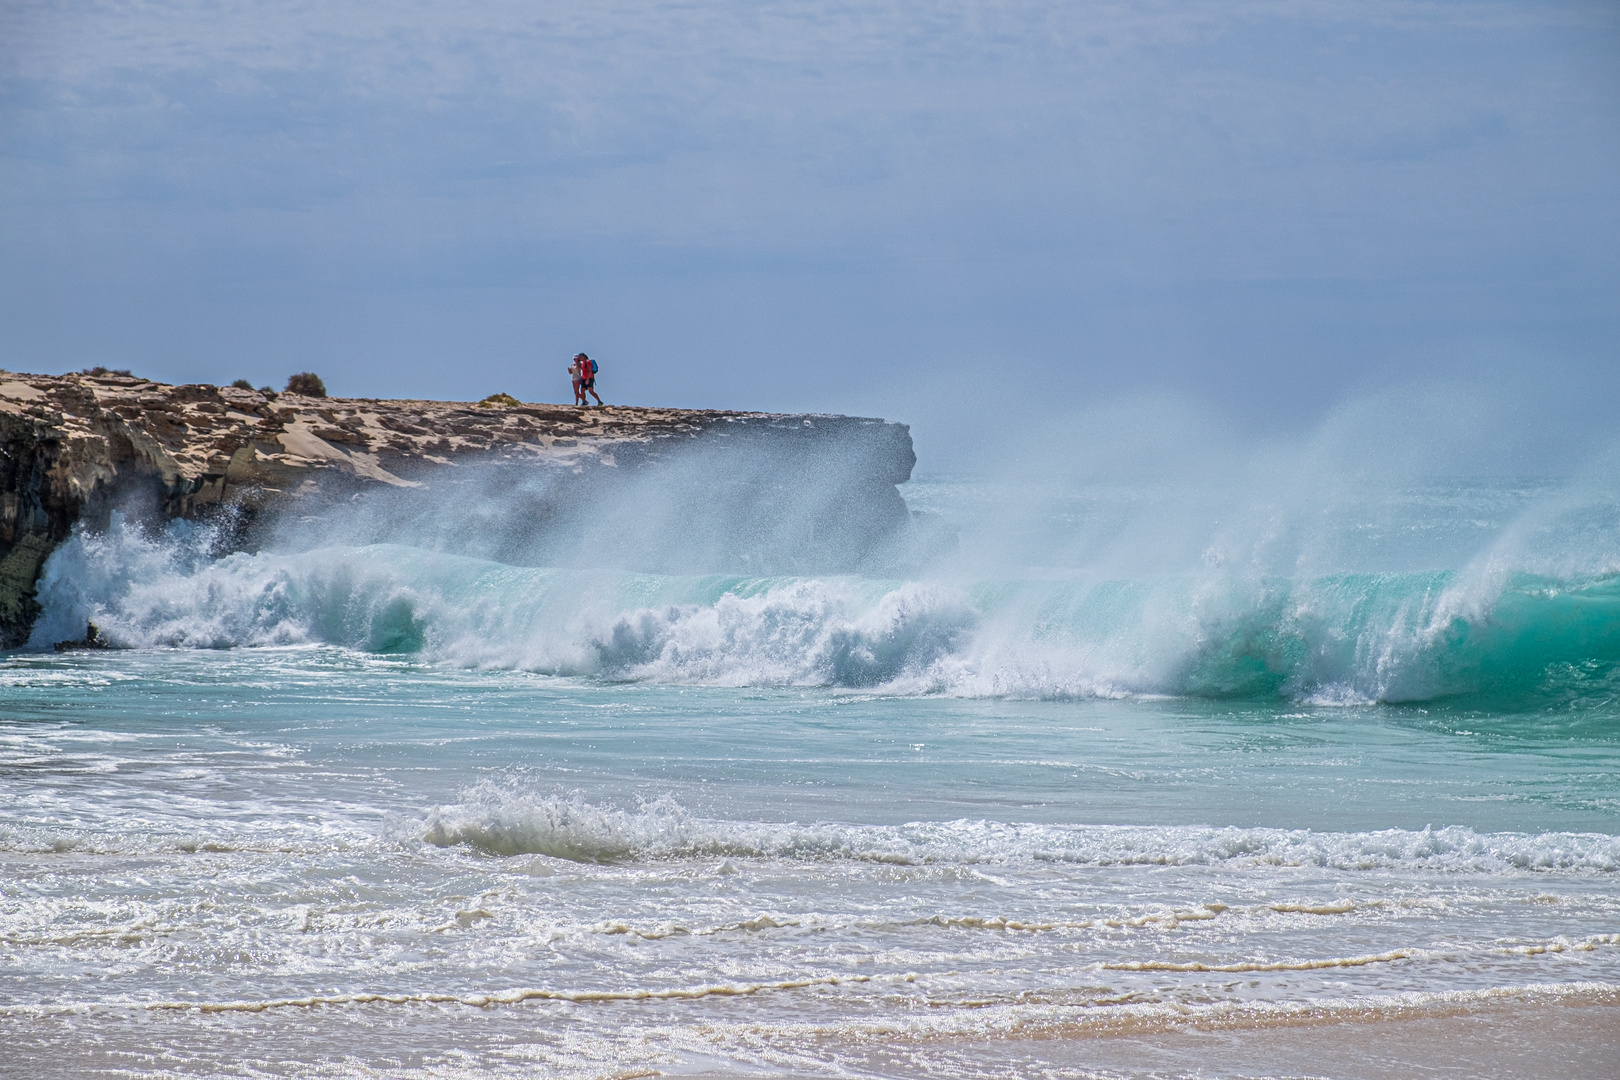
(579,393)
(590,384)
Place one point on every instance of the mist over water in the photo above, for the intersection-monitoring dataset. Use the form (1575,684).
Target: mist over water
(1111,557)
(1144,726)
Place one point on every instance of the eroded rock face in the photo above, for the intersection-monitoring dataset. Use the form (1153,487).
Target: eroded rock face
(741,491)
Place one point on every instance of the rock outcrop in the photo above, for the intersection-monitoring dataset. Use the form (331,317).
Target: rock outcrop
(688,490)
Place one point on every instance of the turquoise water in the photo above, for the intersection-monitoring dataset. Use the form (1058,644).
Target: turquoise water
(343,809)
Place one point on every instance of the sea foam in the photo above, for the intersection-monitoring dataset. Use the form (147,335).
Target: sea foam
(504,822)
(1336,639)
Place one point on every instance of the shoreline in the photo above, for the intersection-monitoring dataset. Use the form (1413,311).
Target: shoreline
(1533,1034)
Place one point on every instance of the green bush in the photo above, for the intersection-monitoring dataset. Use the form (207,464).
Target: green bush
(307,383)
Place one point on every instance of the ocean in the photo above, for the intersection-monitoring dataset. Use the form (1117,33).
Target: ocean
(1140,779)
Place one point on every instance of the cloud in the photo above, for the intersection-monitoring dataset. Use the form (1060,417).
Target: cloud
(944,174)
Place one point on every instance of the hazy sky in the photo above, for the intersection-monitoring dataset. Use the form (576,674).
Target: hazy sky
(911,209)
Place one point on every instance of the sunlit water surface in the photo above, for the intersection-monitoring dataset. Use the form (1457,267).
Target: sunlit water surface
(412,814)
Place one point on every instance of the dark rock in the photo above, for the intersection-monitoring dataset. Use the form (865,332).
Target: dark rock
(92,640)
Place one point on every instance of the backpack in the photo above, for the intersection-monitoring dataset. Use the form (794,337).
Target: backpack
(593,368)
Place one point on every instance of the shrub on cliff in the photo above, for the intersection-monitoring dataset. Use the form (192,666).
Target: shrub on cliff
(99,370)
(499,401)
(307,383)
(242,384)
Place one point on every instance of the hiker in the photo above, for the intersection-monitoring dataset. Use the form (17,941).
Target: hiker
(579,381)
(587,374)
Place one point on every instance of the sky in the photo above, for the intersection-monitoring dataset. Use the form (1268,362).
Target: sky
(958,214)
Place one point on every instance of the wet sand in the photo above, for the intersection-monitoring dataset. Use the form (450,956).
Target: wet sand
(1576,1039)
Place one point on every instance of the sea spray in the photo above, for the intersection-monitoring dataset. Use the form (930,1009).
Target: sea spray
(162,589)
(1413,636)
(146,589)
(813,817)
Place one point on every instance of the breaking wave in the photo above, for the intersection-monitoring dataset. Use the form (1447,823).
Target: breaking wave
(504,822)
(1349,638)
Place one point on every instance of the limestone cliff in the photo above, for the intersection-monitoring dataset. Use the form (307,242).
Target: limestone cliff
(73,448)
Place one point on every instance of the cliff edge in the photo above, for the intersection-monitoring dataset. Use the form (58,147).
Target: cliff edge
(748,492)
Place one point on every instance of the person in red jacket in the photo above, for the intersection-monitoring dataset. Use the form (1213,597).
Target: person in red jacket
(587,379)
(576,369)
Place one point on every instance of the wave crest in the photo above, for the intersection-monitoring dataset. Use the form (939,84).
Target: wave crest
(503,822)
(1346,639)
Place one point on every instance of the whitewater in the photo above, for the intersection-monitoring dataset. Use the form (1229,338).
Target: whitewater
(1136,779)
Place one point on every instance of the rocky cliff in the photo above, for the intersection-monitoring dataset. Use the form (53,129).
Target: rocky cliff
(660,489)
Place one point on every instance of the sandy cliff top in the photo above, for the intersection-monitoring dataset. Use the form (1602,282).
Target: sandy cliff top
(193,431)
